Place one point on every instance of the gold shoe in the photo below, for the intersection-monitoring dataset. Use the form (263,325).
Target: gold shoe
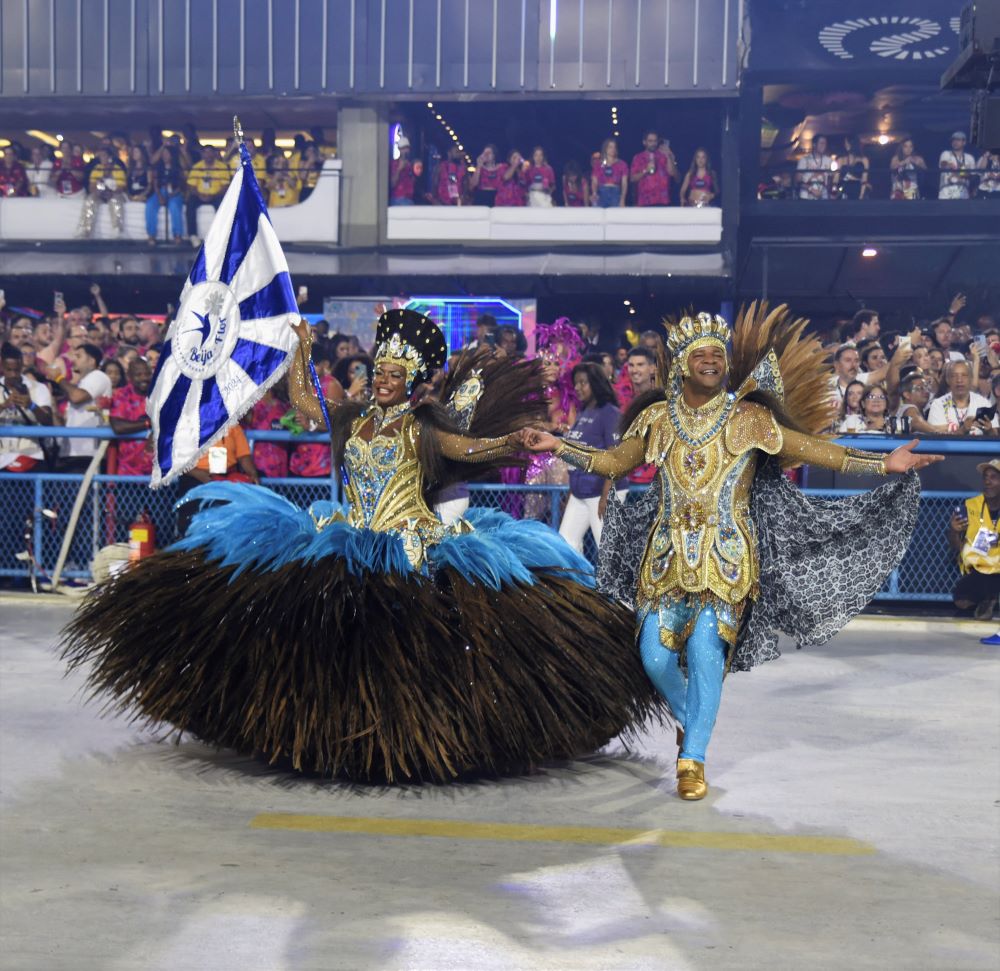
(691,782)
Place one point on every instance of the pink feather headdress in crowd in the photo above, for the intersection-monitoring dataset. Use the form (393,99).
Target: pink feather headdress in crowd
(562,344)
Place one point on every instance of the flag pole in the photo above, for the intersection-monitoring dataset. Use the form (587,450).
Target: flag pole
(238,134)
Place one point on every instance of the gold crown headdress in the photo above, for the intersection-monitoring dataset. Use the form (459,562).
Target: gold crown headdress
(689,333)
(410,341)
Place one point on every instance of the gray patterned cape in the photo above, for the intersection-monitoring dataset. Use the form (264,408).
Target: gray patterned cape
(821,560)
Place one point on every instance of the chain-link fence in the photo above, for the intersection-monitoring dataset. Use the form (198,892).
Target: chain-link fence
(113,503)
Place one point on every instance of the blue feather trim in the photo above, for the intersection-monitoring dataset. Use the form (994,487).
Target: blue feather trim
(250,527)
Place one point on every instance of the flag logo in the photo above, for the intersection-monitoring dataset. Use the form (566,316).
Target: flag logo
(208,325)
(230,340)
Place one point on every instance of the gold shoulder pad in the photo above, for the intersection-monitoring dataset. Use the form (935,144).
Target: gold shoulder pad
(653,424)
(753,426)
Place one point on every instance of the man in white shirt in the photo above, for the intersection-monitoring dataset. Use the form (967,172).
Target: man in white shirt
(22,402)
(39,172)
(957,167)
(815,171)
(955,412)
(85,391)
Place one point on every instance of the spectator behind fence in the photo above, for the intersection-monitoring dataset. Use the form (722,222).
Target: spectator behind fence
(486,180)
(608,177)
(128,415)
(271,458)
(541,180)
(814,172)
(651,171)
(513,189)
(39,172)
(575,188)
(401,178)
(962,411)
(307,169)
(22,402)
(988,169)
(851,417)
(957,168)
(851,179)
(596,425)
(701,184)
(450,179)
(68,171)
(283,185)
(973,534)
(87,392)
(864,326)
(874,402)
(115,372)
(914,395)
(229,458)
(13,179)
(207,182)
(168,193)
(905,168)
(106,184)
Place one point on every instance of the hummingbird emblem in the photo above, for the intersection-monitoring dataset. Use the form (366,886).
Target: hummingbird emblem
(214,306)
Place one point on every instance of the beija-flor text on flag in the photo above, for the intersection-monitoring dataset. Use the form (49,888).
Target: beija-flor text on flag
(231,339)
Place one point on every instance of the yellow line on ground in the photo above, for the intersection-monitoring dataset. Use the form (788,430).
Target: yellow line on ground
(590,835)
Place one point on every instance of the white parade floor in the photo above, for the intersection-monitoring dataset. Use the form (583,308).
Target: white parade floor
(852,823)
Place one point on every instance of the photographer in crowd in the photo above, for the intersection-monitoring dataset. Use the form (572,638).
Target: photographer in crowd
(973,535)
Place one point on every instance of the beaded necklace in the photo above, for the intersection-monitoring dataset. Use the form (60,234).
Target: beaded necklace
(696,426)
(386,416)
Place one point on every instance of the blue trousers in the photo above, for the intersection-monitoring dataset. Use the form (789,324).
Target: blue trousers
(175,208)
(694,699)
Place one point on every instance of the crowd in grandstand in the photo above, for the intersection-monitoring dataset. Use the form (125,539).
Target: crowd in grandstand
(175,171)
(84,367)
(819,174)
(650,179)
(942,378)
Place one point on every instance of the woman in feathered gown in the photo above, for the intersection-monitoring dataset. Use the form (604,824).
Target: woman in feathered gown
(368,639)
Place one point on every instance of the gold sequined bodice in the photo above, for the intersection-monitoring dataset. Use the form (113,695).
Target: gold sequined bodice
(703,539)
(385,485)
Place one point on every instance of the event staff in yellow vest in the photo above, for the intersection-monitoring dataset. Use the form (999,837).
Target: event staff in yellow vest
(974,535)
(207,183)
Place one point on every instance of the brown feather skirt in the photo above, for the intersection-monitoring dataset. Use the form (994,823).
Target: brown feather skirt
(376,677)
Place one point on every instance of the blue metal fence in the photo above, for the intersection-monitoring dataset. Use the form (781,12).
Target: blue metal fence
(927,572)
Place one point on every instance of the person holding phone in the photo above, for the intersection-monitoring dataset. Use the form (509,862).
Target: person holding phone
(973,535)
(962,411)
(21,403)
(651,171)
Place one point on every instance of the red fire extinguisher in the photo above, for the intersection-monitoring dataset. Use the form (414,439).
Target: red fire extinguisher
(141,537)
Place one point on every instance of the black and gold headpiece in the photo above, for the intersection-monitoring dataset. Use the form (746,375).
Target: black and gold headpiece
(411,341)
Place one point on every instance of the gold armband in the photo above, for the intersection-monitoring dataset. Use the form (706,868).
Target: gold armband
(579,456)
(857,462)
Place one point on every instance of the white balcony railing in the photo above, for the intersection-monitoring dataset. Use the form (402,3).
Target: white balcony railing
(648,225)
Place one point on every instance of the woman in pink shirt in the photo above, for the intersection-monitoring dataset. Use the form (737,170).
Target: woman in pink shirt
(575,188)
(609,177)
(513,189)
(271,458)
(541,180)
(450,179)
(487,178)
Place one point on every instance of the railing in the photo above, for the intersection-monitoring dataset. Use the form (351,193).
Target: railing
(36,509)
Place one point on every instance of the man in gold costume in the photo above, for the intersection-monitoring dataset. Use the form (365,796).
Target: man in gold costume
(699,569)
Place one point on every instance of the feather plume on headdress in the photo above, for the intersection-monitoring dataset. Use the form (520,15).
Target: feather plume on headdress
(803,402)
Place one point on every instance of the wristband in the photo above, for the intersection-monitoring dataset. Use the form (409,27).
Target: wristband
(58,379)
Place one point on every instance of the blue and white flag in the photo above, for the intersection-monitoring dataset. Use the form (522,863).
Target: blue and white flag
(231,339)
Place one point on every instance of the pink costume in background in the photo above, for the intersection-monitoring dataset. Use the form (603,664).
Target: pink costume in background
(560,344)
